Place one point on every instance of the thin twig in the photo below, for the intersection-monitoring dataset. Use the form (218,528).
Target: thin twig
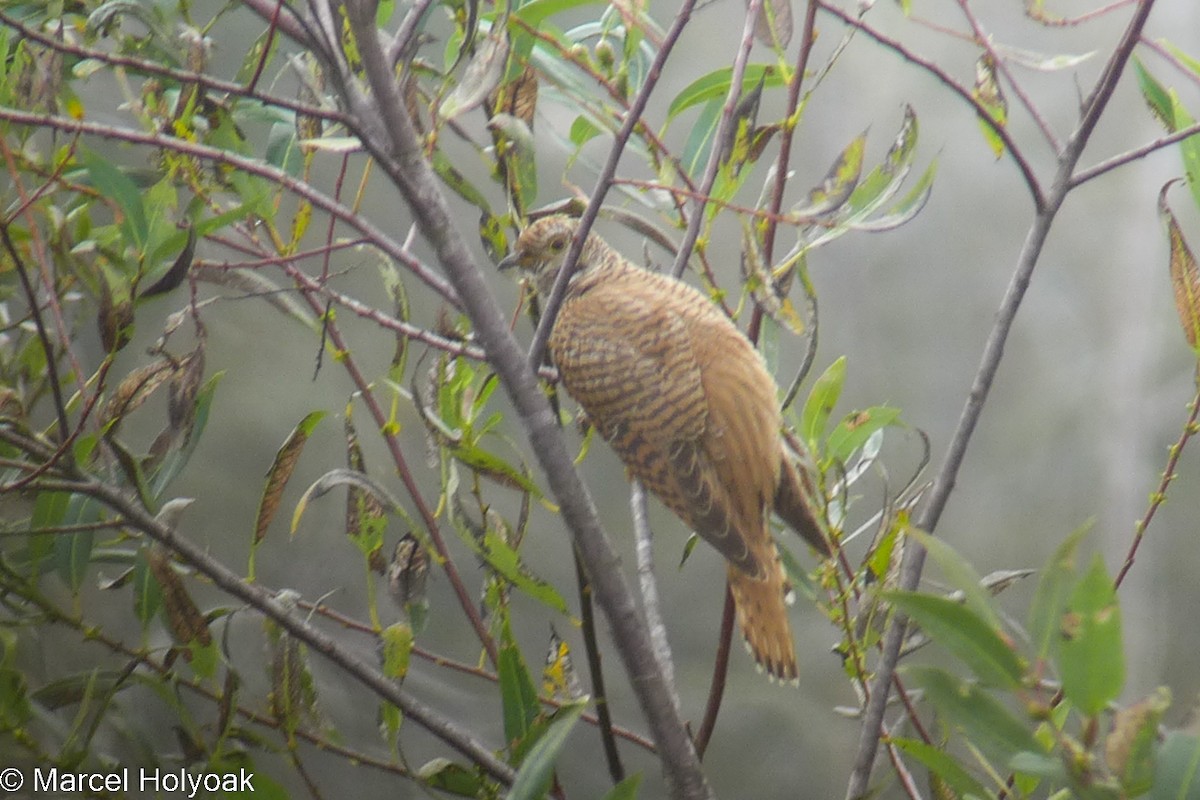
(633,117)
(60,406)
(720,137)
(716,689)
(1001,131)
(387,131)
(644,548)
(914,556)
(587,617)
(1159,495)
(1121,159)
(266,602)
(358,222)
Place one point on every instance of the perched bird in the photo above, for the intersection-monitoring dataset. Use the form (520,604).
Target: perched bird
(686,402)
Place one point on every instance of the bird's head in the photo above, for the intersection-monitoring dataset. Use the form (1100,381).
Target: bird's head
(542,247)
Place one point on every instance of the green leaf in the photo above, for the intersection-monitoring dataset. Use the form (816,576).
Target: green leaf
(1129,748)
(535,11)
(1091,662)
(147,596)
(178,458)
(1050,598)
(700,139)
(907,208)
(281,470)
(960,575)
(501,557)
(991,98)
(73,551)
(980,717)
(1155,94)
(715,86)
(838,185)
(943,765)
(626,789)
(518,694)
(447,776)
(821,402)
(533,779)
(583,130)
(49,509)
(116,185)
(965,634)
(397,640)
(1177,768)
(855,429)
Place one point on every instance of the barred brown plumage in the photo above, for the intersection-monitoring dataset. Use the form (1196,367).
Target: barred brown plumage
(685,400)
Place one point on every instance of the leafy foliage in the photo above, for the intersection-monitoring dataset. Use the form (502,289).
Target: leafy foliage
(148,194)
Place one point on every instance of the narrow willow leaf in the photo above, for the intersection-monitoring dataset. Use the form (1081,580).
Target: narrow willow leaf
(839,182)
(821,402)
(965,634)
(583,130)
(344,477)
(989,94)
(1185,275)
(73,551)
(174,462)
(408,571)
(1177,768)
(178,270)
(1129,748)
(292,694)
(1157,98)
(700,139)
(626,789)
(147,597)
(959,573)
(136,388)
(505,560)
(1050,597)
(533,779)
(1042,62)
(1091,661)
(535,12)
(855,429)
(281,471)
(518,696)
(452,778)
(773,25)
(366,518)
(482,75)
(942,764)
(397,640)
(904,210)
(114,184)
(985,722)
(187,624)
(715,86)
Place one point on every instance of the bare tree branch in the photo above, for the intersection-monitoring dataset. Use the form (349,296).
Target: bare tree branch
(914,556)
(386,130)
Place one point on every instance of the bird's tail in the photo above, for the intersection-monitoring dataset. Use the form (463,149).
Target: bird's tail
(761,604)
(794,505)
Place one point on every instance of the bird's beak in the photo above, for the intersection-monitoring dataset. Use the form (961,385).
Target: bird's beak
(511,260)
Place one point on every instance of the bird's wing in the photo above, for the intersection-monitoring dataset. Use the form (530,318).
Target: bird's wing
(625,351)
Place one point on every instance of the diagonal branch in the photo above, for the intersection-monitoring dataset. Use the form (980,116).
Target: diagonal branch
(914,556)
(386,130)
(266,602)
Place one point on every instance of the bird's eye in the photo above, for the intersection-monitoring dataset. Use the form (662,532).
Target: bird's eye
(557,243)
